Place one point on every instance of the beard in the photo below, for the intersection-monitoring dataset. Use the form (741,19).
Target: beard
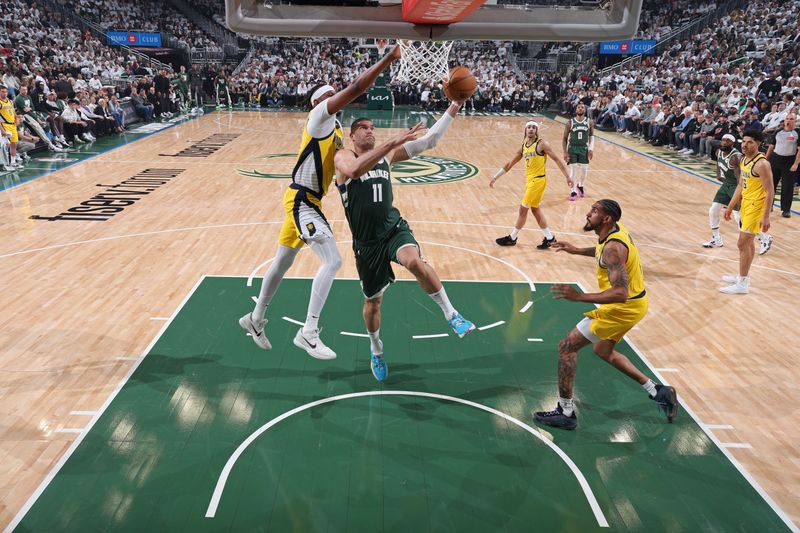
(589,227)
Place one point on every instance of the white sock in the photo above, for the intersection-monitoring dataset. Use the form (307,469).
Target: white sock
(272,279)
(331,262)
(443,302)
(744,281)
(714,217)
(650,387)
(375,342)
(715,233)
(583,174)
(567,406)
(547,234)
(514,233)
(573,173)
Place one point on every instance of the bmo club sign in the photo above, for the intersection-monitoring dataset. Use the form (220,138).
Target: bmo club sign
(134,38)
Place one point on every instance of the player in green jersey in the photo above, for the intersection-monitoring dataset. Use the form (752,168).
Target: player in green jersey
(578,144)
(380,235)
(728,159)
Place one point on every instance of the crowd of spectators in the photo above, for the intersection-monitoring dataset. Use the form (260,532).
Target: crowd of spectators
(148,16)
(739,74)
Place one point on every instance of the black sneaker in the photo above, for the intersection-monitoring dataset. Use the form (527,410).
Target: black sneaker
(556,418)
(786,214)
(546,243)
(667,401)
(580,190)
(506,241)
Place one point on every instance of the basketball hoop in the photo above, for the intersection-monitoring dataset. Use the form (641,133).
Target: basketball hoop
(423,61)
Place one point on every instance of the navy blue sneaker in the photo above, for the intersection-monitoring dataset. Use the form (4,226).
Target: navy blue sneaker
(557,418)
(379,367)
(461,325)
(667,400)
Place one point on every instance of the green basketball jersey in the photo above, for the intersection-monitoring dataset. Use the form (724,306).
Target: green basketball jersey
(222,84)
(725,168)
(579,133)
(368,204)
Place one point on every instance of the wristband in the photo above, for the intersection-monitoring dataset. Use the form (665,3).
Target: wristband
(499,173)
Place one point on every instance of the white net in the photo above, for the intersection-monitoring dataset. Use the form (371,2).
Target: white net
(423,61)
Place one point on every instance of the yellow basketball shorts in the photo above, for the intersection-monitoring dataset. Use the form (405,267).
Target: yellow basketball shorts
(613,321)
(534,191)
(13,129)
(304,220)
(751,214)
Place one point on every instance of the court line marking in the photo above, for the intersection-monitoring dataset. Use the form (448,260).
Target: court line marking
(128,358)
(159,318)
(96,154)
(143,234)
(433,336)
(738,466)
(492,325)
(83,413)
(429,243)
(293,321)
(69,430)
(223,478)
(535,340)
(241,224)
(351,334)
(674,370)
(63,459)
(737,445)
(718,426)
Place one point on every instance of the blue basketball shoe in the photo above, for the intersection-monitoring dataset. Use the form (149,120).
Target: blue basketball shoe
(379,367)
(461,325)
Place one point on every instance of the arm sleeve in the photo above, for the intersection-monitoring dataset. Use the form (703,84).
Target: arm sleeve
(430,139)
(320,122)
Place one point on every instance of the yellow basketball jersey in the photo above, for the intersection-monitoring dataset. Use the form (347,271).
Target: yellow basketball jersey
(314,168)
(7,114)
(752,189)
(632,265)
(535,163)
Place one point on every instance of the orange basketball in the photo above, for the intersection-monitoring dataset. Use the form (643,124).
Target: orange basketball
(460,84)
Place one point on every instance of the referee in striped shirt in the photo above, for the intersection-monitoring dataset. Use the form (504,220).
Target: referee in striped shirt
(784,157)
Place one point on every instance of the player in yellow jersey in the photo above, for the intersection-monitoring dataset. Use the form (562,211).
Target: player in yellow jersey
(535,151)
(622,303)
(756,193)
(304,222)
(8,125)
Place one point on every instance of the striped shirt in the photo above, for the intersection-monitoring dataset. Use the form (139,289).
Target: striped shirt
(786,143)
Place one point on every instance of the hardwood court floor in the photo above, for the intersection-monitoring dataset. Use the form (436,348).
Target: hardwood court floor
(82,299)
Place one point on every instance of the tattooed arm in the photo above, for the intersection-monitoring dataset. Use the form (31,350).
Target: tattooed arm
(615,254)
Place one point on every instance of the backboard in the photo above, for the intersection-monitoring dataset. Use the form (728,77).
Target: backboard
(534,20)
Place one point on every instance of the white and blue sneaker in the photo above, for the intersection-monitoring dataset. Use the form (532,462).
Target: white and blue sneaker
(461,325)
(379,367)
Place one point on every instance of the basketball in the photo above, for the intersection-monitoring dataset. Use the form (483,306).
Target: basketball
(460,84)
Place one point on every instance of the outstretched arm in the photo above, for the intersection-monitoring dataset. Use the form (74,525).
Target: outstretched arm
(561,246)
(430,139)
(615,254)
(338,101)
(348,166)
